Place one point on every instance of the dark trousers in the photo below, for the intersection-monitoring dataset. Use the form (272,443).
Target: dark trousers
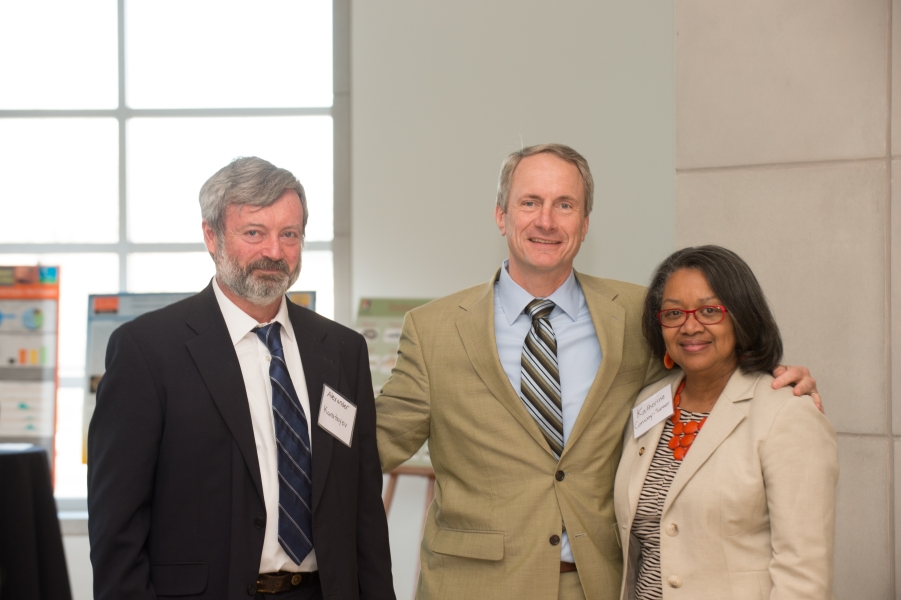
(307,592)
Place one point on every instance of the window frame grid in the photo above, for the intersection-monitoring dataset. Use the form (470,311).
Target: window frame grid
(123,114)
(339,112)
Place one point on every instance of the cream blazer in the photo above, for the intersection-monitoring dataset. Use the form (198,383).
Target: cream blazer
(751,511)
(501,498)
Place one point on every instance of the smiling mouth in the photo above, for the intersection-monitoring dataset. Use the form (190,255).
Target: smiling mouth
(694,345)
(541,241)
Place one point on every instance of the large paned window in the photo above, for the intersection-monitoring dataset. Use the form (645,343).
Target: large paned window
(113,114)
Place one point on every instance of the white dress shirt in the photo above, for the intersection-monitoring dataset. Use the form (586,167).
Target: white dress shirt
(254,359)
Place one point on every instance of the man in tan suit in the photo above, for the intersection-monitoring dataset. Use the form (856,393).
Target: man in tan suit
(524,446)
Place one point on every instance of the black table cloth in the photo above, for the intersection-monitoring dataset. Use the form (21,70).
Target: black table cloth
(32,562)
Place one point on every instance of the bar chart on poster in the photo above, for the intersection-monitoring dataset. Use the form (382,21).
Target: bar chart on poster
(29,303)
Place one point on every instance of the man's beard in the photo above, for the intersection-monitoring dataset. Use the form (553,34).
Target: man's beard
(257,288)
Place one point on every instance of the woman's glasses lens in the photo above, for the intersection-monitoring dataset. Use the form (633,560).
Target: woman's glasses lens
(706,315)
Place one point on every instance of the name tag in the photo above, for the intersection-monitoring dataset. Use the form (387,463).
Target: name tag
(337,415)
(653,410)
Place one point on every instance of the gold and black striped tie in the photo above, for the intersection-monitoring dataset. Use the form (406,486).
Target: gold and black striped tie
(540,376)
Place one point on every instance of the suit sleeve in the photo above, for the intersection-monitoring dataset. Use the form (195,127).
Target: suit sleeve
(800,469)
(403,407)
(123,443)
(373,552)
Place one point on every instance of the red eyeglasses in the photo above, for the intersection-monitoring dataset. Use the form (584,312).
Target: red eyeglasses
(705,315)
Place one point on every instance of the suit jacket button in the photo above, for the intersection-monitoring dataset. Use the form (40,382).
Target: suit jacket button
(672,530)
(560,475)
(674,582)
(641,451)
(555,539)
(252,589)
(258,523)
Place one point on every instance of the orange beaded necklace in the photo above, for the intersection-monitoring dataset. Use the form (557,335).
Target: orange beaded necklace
(684,434)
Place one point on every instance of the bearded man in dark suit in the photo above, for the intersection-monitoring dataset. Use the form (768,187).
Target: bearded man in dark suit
(216,468)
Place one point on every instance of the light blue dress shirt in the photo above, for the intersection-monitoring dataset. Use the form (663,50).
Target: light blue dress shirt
(578,349)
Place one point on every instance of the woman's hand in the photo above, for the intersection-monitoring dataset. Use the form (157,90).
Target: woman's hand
(800,379)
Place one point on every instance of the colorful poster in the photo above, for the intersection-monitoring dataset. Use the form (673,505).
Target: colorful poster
(29,313)
(105,314)
(305,299)
(380,321)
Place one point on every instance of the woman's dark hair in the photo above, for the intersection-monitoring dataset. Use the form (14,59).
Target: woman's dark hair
(758,345)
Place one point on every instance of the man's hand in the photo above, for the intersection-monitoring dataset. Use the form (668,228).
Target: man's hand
(800,378)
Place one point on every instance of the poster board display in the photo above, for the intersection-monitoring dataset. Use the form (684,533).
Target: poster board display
(29,317)
(107,312)
(380,321)
(305,299)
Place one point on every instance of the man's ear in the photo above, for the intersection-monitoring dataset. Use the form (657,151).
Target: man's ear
(499,215)
(209,238)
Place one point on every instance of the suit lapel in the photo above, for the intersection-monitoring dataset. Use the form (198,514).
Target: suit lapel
(609,321)
(729,410)
(215,357)
(475,324)
(320,368)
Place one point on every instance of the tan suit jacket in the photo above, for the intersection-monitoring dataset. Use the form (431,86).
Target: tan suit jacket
(501,498)
(750,513)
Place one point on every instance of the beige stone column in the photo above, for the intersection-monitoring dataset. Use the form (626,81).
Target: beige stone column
(785,129)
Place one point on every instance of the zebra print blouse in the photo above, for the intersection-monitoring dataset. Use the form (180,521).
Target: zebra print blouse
(646,525)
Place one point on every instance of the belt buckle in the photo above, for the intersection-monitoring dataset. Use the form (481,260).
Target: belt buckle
(273,583)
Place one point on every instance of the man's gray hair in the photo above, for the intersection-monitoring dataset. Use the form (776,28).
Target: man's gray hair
(246,180)
(560,151)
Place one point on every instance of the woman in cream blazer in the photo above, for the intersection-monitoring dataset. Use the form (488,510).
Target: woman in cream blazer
(743,508)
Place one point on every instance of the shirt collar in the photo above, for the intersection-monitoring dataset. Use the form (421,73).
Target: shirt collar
(239,323)
(514,299)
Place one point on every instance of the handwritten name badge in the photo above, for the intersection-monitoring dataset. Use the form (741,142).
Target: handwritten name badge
(653,410)
(337,415)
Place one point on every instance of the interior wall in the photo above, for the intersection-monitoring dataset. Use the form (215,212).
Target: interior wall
(442,92)
(785,129)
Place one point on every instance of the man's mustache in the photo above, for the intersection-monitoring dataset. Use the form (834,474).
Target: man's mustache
(269,264)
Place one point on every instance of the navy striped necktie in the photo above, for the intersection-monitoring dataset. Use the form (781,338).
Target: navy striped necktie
(540,375)
(295,484)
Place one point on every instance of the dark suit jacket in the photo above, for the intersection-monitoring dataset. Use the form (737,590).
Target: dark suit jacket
(174,489)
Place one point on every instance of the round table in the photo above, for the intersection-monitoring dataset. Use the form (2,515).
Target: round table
(32,561)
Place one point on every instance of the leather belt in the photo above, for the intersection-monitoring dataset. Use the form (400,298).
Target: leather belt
(284,581)
(566,567)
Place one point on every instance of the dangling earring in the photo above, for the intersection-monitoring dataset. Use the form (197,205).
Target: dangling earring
(667,361)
